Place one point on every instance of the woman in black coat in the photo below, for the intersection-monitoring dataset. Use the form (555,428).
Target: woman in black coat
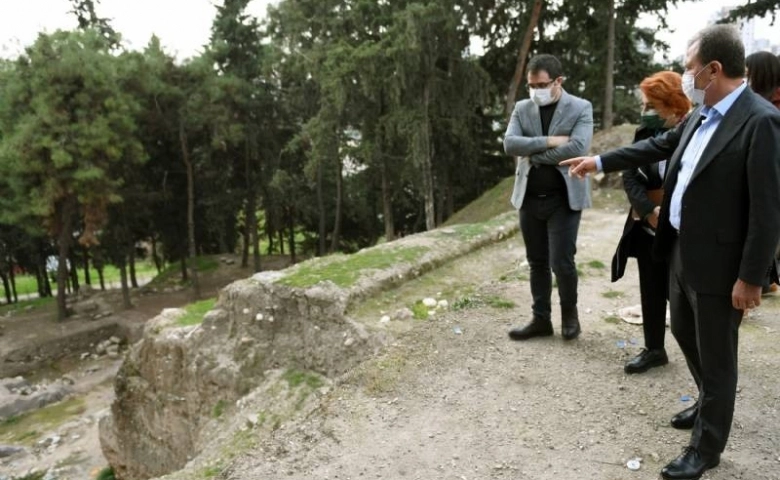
(663,106)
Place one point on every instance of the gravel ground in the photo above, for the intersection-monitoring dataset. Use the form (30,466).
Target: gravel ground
(453,398)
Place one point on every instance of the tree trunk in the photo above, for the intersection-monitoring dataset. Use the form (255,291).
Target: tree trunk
(424,151)
(522,55)
(131,264)
(85,254)
(291,225)
(247,237)
(321,210)
(46,282)
(336,238)
(609,84)
(40,281)
(6,287)
(185,277)
(65,212)
(101,278)
(185,155)
(74,271)
(12,278)
(251,221)
(126,303)
(155,257)
(387,204)
(281,241)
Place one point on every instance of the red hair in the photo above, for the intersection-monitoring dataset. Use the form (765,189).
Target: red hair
(664,91)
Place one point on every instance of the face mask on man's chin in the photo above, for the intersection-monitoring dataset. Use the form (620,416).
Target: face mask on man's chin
(542,96)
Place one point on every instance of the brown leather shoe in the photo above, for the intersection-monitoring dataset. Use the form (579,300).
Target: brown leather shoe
(537,328)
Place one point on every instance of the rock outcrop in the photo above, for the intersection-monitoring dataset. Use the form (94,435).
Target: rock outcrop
(172,381)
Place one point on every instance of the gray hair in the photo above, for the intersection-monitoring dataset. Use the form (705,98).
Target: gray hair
(721,43)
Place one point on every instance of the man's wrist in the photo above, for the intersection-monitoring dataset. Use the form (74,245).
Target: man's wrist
(599,167)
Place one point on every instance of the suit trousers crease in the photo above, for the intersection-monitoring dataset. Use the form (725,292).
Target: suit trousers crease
(549,228)
(706,328)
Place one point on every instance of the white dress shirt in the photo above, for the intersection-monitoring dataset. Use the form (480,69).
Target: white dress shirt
(701,137)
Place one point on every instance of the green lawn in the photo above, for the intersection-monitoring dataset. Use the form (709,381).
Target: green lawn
(25,284)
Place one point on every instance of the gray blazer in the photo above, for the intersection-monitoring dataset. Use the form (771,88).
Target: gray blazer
(524,139)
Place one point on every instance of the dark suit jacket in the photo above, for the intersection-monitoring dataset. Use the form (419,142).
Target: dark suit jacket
(730,223)
(636,182)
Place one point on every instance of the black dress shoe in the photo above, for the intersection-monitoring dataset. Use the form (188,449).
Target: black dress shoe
(571,330)
(570,323)
(646,360)
(537,328)
(685,419)
(690,465)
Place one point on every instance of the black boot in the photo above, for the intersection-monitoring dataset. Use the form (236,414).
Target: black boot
(570,323)
(539,327)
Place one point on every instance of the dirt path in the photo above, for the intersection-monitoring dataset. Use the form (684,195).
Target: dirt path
(443,405)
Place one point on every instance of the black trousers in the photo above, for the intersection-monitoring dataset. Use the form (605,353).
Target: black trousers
(653,288)
(549,230)
(707,329)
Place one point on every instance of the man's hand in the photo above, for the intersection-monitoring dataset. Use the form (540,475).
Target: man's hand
(580,166)
(652,218)
(745,296)
(557,141)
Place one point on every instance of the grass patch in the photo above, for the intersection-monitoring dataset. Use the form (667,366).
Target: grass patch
(212,471)
(345,270)
(499,302)
(493,301)
(195,312)
(596,264)
(218,409)
(612,294)
(296,378)
(32,476)
(71,460)
(171,274)
(32,304)
(206,264)
(522,277)
(27,284)
(612,319)
(106,474)
(380,376)
(465,303)
(419,310)
(25,428)
(493,202)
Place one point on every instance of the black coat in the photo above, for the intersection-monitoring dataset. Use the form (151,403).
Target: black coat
(636,182)
(730,210)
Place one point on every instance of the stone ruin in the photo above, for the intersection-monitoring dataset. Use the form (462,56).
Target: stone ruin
(173,378)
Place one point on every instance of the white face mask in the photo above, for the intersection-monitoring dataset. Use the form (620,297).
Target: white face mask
(695,95)
(541,96)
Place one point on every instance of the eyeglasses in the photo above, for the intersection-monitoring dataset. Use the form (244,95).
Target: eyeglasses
(539,85)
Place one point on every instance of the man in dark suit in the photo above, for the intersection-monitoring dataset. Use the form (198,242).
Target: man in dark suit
(719,226)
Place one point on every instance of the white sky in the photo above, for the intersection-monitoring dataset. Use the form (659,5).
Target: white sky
(690,17)
(183,25)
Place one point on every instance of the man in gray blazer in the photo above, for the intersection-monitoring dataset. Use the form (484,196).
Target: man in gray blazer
(719,227)
(545,129)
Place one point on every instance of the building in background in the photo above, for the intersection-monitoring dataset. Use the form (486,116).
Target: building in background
(748,29)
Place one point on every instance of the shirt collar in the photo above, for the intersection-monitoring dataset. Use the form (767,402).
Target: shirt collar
(725,104)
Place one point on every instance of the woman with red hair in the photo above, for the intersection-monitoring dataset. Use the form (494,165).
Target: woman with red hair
(663,106)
